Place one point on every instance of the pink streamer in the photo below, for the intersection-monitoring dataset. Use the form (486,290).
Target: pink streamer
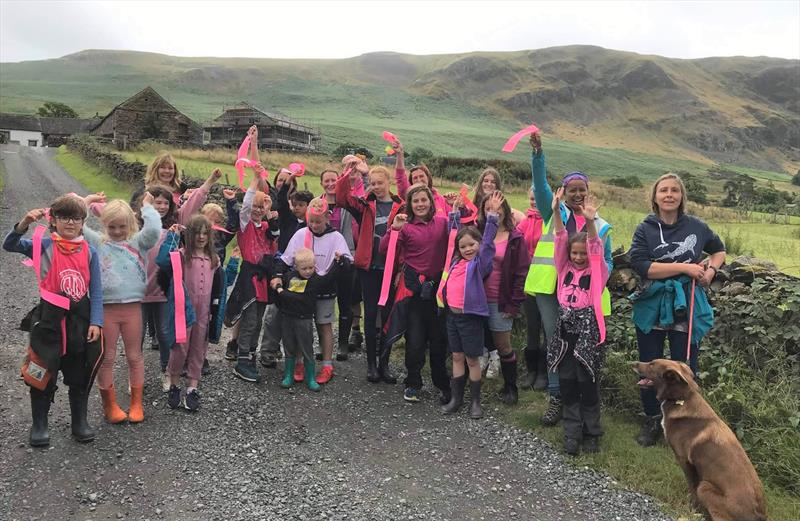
(221,229)
(388,268)
(451,241)
(180,297)
(243,162)
(597,295)
(511,144)
(298,169)
(53,298)
(464,192)
(392,139)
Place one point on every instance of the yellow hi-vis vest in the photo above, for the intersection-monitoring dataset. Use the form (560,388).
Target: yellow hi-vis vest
(542,276)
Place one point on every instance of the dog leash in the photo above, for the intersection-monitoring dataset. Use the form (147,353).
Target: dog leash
(691,319)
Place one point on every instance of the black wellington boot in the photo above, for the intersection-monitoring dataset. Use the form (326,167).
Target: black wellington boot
(541,370)
(383,362)
(457,386)
(509,394)
(78,405)
(650,432)
(342,349)
(475,411)
(40,407)
(372,359)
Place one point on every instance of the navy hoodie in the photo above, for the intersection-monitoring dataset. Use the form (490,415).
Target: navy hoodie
(685,241)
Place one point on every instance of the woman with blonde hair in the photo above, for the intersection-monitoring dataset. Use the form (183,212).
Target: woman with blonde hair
(163,171)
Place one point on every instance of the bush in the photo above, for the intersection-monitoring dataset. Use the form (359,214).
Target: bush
(351,148)
(630,181)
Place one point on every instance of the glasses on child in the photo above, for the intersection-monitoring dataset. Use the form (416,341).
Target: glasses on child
(69,220)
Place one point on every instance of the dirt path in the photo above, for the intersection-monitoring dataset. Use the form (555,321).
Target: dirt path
(355,451)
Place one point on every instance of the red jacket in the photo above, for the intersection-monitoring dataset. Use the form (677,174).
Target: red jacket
(363,210)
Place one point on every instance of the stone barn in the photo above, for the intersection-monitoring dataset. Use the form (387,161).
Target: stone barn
(275,131)
(146,115)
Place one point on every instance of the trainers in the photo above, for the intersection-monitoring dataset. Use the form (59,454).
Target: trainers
(355,341)
(231,350)
(411,395)
(325,374)
(246,370)
(268,361)
(483,360)
(165,382)
(493,369)
(192,402)
(553,413)
(571,446)
(206,368)
(591,444)
(174,397)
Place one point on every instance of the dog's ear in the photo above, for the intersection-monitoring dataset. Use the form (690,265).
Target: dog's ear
(674,377)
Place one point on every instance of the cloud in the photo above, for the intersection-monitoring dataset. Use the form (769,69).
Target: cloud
(312,29)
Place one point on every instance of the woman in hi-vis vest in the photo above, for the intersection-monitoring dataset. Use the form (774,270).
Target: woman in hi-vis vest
(541,280)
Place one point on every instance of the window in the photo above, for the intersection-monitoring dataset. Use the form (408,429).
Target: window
(33,142)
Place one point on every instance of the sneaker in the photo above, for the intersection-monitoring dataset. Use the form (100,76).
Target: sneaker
(355,341)
(165,382)
(591,444)
(553,413)
(342,355)
(174,397)
(411,395)
(493,369)
(246,370)
(484,362)
(268,361)
(325,374)
(571,446)
(231,350)
(206,368)
(192,402)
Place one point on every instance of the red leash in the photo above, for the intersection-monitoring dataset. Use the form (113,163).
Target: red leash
(691,319)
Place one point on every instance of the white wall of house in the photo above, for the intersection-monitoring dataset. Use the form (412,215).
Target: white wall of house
(24,137)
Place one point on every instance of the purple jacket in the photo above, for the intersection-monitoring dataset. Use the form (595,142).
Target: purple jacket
(477,270)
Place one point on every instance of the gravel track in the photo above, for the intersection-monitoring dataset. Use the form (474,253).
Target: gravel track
(354,451)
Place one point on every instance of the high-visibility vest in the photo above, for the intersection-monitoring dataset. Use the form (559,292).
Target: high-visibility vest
(542,276)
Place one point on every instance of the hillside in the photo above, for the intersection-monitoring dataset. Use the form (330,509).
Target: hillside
(743,111)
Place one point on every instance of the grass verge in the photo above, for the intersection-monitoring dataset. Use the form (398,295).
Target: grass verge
(94,178)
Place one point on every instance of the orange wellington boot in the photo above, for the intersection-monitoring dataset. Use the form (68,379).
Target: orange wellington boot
(136,414)
(299,371)
(111,410)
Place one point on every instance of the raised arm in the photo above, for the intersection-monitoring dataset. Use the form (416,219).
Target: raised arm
(400,178)
(198,198)
(345,198)
(541,190)
(148,236)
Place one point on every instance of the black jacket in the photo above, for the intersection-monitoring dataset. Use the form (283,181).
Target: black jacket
(299,296)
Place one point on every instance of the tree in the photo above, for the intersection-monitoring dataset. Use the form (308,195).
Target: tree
(697,189)
(421,155)
(796,179)
(351,148)
(54,109)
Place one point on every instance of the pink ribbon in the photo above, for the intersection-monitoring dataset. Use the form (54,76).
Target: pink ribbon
(388,267)
(180,297)
(53,298)
(511,144)
(464,192)
(392,139)
(597,295)
(298,169)
(221,229)
(451,241)
(243,162)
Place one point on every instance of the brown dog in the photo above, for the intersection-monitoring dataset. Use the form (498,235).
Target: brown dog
(722,481)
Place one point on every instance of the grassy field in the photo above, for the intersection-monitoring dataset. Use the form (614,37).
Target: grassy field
(652,471)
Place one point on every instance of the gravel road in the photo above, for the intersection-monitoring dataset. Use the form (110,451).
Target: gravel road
(354,451)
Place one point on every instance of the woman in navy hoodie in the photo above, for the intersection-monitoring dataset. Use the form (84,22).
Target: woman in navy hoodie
(668,247)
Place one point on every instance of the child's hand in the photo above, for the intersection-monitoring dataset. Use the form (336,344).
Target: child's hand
(94,334)
(494,202)
(536,141)
(557,199)
(31,217)
(99,197)
(399,220)
(337,255)
(272,215)
(236,253)
(397,147)
(589,208)
(258,168)
(215,175)
(188,193)
(450,198)
(274,283)
(147,198)
(253,132)
(229,194)
(176,228)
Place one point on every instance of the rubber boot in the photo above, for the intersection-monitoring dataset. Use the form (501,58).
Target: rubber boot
(385,374)
(288,372)
(342,349)
(136,414)
(372,360)
(508,366)
(78,405)
(310,373)
(111,410)
(355,341)
(40,407)
(529,379)
(651,431)
(457,386)
(541,370)
(475,411)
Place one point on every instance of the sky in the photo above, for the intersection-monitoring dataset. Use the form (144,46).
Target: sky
(35,30)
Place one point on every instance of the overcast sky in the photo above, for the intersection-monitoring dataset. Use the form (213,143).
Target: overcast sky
(34,30)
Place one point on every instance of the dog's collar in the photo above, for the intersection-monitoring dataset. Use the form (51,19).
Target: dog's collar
(674,402)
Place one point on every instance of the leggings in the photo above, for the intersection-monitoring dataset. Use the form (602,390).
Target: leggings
(371,287)
(125,320)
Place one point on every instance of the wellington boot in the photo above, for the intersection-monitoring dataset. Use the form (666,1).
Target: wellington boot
(651,431)
(288,372)
(136,414)
(78,406)
(310,374)
(112,412)
(509,394)
(457,386)
(40,407)
(385,351)
(475,411)
(372,361)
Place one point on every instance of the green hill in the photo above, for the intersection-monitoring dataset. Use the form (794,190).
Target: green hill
(591,102)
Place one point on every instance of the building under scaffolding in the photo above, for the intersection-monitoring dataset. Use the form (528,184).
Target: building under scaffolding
(275,131)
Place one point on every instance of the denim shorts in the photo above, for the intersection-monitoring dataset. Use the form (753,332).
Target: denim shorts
(497,322)
(465,334)
(324,313)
